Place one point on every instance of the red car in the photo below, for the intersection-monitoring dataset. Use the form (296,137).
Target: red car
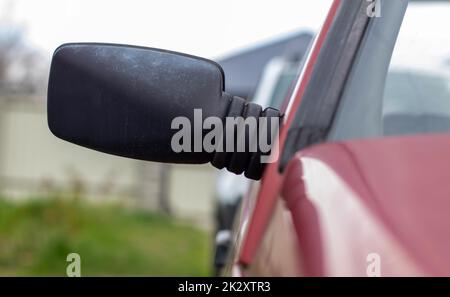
(361,186)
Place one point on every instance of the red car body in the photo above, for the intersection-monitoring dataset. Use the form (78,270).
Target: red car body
(338,204)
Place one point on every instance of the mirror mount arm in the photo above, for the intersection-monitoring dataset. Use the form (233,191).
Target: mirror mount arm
(243,113)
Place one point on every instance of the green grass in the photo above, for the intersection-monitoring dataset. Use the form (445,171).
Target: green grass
(36,237)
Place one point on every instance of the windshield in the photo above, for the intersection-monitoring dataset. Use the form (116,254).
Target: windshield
(400,80)
(417,92)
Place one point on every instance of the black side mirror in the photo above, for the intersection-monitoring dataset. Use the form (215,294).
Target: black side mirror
(123,100)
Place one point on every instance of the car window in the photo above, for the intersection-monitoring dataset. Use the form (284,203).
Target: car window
(284,86)
(417,91)
(359,113)
(400,80)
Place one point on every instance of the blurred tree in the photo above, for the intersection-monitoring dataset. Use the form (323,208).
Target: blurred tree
(23,69)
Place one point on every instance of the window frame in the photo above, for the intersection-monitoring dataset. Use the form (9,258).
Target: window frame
(314,117)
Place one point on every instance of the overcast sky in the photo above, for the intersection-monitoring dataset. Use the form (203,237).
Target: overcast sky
(208,28)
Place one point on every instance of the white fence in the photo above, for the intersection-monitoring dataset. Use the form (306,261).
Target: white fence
(33,163)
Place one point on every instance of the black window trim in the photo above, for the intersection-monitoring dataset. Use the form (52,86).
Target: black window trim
(314,117)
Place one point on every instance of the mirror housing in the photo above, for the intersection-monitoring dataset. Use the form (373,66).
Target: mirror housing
(123,100)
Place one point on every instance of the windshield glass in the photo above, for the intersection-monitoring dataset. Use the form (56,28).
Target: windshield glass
(417,90)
